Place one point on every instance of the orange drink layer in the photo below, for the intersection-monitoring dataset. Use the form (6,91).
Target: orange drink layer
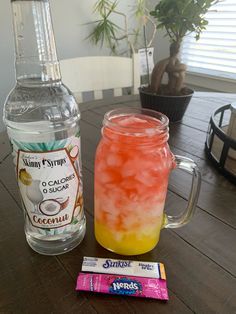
(132,165)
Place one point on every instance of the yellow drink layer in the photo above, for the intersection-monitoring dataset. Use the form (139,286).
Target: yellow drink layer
(130,242)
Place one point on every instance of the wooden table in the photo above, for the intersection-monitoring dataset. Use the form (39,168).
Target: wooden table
(200,258)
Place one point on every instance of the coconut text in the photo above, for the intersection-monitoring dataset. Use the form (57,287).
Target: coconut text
(50,221)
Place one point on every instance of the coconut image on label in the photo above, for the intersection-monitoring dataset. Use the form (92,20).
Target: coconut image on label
(63,202)
(78,212)
(74,152)
(50,207)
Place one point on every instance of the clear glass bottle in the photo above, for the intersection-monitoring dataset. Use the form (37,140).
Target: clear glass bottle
(42,119)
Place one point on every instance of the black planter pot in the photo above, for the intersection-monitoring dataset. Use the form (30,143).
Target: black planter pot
(173,107)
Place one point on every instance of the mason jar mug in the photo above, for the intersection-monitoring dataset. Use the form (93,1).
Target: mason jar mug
(132,166)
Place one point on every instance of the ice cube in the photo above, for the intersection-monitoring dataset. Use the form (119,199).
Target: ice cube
(131,121)
(105,177)
(130,221)
(130,167)
(118,236)
(114,148)
(114,160)
(150,132)
(145,178)
(133,197)
(148,231)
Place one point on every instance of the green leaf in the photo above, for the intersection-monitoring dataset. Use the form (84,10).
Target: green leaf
(181,17)
(74,221)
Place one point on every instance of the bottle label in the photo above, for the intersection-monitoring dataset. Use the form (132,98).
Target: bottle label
(50,181)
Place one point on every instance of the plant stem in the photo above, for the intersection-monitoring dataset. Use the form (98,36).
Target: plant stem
(126,29)
(145,44)
(153,33)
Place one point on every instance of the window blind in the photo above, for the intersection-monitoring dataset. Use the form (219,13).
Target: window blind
(215,52)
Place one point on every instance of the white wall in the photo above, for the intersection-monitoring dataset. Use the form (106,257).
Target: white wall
(69,19)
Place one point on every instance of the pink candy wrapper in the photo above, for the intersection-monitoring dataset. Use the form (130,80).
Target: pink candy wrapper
(123,285)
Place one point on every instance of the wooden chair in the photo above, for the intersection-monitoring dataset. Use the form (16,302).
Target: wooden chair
(85,74)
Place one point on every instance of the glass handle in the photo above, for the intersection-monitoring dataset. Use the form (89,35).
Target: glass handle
(191,167)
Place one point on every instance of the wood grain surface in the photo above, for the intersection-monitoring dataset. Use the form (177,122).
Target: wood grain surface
(200,258)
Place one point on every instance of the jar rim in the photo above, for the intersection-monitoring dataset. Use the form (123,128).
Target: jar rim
(122,111)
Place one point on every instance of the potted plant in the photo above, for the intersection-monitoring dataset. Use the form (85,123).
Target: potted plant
(110,31)
(179,18)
